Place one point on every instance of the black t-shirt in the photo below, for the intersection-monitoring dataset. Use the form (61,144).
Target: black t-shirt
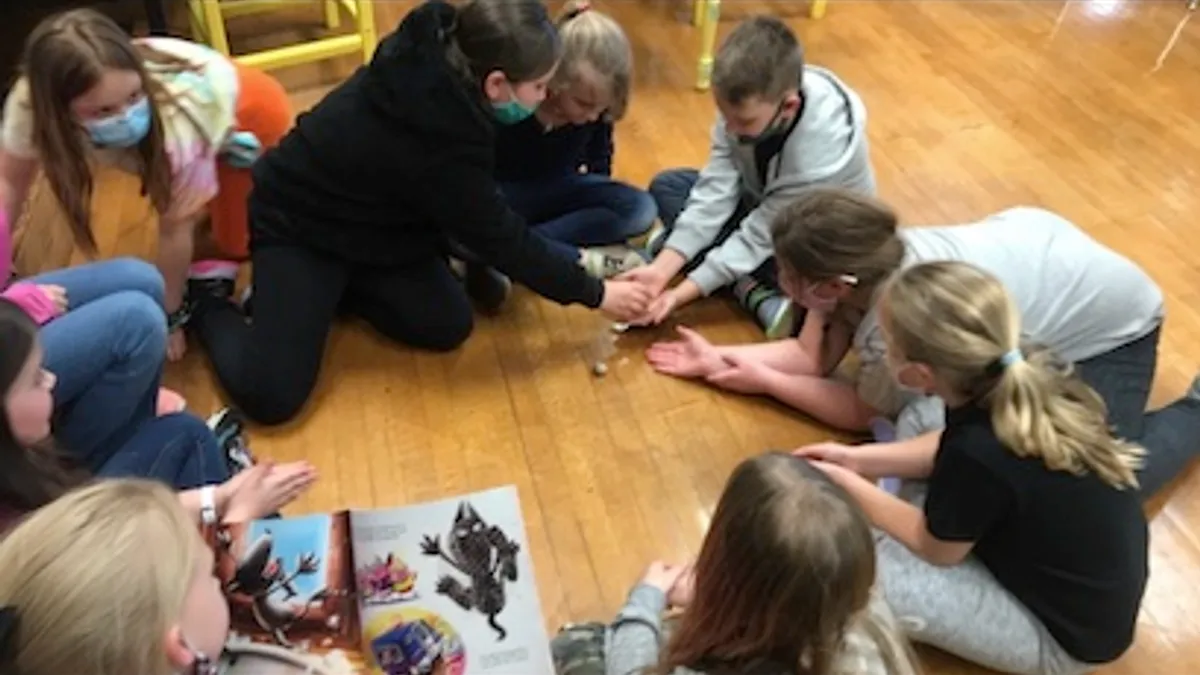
(1071,548)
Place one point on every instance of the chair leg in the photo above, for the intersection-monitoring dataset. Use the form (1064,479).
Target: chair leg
(214,25)
(708,43)
(817,9)
(333,14)
(366,29)
(697,13)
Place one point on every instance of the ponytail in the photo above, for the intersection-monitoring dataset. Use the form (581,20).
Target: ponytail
(597,52)
(1040,409)
(959,320)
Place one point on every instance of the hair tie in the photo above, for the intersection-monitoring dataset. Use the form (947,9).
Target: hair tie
(1010,357)
(580,8)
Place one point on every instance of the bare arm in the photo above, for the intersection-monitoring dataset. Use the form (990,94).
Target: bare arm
(16,176)
(175,244)
(903,459)
(830,401)
(903,521)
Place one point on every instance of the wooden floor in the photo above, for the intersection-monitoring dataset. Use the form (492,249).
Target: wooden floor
(974,107)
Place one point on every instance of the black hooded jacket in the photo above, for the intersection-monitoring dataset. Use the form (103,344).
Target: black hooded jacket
(396,160)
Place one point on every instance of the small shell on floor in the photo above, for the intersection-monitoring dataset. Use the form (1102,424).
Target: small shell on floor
(599,369)
(619,327)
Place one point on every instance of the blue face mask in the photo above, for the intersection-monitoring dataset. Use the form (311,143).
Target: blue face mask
(122,130)
(512,111)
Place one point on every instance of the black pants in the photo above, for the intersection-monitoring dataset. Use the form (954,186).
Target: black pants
(268,364)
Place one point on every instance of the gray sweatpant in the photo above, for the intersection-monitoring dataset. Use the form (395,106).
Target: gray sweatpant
(962,609)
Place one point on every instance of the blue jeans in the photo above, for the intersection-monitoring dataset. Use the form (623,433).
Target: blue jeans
(582,210)
(107,352)
(179,450)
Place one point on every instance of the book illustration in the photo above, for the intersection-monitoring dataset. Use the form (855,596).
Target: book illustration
(386,580)
(288,580)
(412,641)
(482,553)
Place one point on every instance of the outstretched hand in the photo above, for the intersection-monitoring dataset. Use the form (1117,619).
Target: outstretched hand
(742,374)
(689,357)
(827,453)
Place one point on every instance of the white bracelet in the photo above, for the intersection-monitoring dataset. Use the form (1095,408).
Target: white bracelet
(208,505)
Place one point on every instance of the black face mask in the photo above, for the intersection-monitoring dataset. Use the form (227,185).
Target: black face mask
(773,129)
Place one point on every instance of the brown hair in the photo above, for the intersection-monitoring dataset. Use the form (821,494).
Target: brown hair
(762,58)
(786,569)
(515,37)
(828,232)
(65,56)
(960,321)
(596,51)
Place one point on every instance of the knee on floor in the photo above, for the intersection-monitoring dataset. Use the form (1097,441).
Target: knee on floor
(448,333)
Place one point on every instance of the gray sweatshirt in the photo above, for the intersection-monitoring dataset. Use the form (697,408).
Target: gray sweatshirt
(827,148)
(636,638)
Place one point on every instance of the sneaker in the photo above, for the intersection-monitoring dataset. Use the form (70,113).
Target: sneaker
(229,429)
(606,262)
(487,287)
(774,312)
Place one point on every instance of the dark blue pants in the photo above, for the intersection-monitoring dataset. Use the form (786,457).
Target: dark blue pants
(582,210)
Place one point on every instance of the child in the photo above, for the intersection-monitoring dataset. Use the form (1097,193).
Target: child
(358,205)
(183,117)
(115,579)
(109,427)
(784,129)
(555,167)
(783,585)
(1027,480)
(837,249)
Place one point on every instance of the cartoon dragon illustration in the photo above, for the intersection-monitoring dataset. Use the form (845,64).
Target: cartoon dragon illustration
(485,555)
(259,575)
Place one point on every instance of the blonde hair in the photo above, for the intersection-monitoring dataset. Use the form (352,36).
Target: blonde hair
(960,321)
(785,571)
(595,47)
(97,578)
(830,232)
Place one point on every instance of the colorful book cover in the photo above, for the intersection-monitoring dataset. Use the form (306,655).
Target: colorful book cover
(443,588)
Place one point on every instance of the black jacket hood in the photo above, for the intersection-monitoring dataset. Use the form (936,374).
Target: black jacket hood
(411,80)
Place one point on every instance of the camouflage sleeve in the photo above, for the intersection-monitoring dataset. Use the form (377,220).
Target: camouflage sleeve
(636,635)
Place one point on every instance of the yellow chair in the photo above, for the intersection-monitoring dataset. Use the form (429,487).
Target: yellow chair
(706,14)
(208,24)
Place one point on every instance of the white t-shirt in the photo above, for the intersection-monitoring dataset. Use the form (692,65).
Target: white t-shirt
(202,115)
(1076,296)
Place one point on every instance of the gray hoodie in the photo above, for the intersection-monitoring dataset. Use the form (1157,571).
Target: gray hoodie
(827,148)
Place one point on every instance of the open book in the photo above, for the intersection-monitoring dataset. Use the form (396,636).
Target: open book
(442,587)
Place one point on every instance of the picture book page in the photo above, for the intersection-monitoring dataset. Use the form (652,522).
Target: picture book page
(289,582)
(447,587)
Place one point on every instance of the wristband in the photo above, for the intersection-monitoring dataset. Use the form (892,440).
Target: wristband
(179,318)
(208,505)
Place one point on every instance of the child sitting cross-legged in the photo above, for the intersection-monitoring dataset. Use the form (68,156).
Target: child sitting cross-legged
(784,585)
(555,167)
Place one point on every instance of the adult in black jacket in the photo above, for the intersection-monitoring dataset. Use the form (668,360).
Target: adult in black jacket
(355,207)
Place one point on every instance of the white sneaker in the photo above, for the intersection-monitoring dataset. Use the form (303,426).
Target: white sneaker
(606,262)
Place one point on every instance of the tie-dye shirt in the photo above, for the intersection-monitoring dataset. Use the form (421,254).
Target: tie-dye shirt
(196,124)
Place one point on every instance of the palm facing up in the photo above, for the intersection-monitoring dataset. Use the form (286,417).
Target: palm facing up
(690,357)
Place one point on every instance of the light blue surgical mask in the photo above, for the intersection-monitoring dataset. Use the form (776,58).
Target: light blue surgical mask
(122,130)
(512,111)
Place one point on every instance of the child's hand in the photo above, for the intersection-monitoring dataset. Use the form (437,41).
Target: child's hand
(176,345)
(681,593)
(56,295)
(691,356)
(650,276)
(663,576)
(845,456)
(265,488)
(660,308)
(625,300)
(742,375)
